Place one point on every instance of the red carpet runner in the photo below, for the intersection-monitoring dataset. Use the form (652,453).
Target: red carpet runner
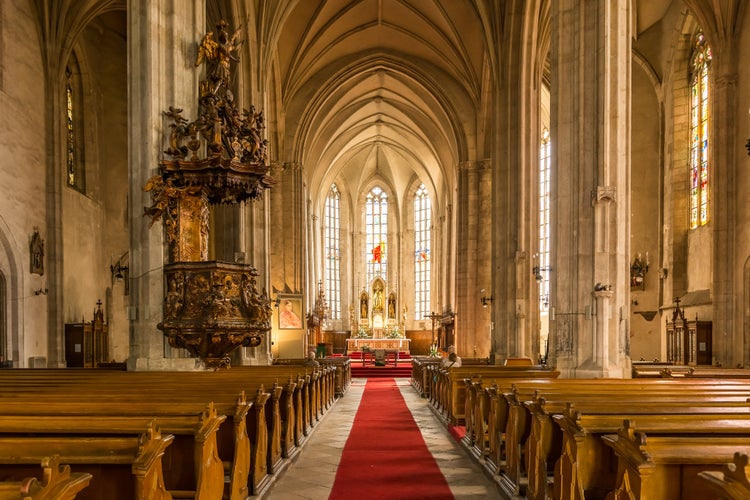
(385,455)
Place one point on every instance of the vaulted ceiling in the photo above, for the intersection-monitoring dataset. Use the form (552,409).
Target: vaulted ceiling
(381,89)
(389,89)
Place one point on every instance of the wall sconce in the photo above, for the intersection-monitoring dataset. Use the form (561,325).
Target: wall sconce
(537,272)
(120,272)
(486,301)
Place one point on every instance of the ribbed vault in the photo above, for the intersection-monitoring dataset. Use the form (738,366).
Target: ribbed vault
(386,87)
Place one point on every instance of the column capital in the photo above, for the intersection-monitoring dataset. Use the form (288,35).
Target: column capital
(475,165)
(727,80)
(603,193)
(293,166)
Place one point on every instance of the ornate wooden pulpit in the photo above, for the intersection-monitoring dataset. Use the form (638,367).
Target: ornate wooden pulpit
(210,307)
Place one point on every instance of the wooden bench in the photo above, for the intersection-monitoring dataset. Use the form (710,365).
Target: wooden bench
(731,483)
(57,483)
(343,367)
(503,448)
(194,448)
(668,466)
(281,416)
(582,463)
(419,373)
(448,387)
(121,466)
(529,433)
(195,462)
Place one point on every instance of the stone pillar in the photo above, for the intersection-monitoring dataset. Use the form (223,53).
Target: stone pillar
(288,229)
(590,127)
(473,266)
(162,50)
(727,337)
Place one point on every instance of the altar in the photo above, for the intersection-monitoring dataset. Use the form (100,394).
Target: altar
(353,345)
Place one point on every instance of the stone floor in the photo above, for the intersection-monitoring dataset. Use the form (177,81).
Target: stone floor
(312,473)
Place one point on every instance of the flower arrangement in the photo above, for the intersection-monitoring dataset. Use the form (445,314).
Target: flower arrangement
(434,353)
(393,333)
(362,333)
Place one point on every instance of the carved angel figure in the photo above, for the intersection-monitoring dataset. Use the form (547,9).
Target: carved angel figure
(218,55)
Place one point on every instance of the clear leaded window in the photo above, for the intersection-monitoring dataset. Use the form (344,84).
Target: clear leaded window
(422,266)
(332,244)
(541,274)
(699,128)
(376,223)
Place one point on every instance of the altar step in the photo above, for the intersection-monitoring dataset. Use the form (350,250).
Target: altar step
(357,355)
(370,371)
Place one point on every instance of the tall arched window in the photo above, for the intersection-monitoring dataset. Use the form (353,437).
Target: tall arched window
(422,238)
(376,223)
(74,126)
(541,272)
(332,242)
(700,65)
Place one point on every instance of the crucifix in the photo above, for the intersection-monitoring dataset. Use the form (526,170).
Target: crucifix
(433,316)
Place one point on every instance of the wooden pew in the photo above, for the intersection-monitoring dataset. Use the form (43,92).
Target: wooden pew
(668,466)
(530,435)
(509,425)
(122,467)
(343,366)
(732,482)
(194,435)
(180,413)
(212,381)
(448,389)
(583,464)
(57,483)
(420,374)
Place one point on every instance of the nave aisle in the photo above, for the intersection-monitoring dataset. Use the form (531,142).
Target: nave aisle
(312,474)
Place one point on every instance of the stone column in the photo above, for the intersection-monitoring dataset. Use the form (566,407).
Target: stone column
(591,61)
(288,229)
(727,336)
(474,265)
(162,45)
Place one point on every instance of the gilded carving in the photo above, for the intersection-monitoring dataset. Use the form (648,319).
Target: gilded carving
(210,308)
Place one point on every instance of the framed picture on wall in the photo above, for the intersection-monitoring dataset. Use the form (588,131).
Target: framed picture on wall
(290,313)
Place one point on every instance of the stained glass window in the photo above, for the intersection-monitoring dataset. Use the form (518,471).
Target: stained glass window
(422,260)
(376,223)
(73,121)
(699,128)
(332,237)
(541,272)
